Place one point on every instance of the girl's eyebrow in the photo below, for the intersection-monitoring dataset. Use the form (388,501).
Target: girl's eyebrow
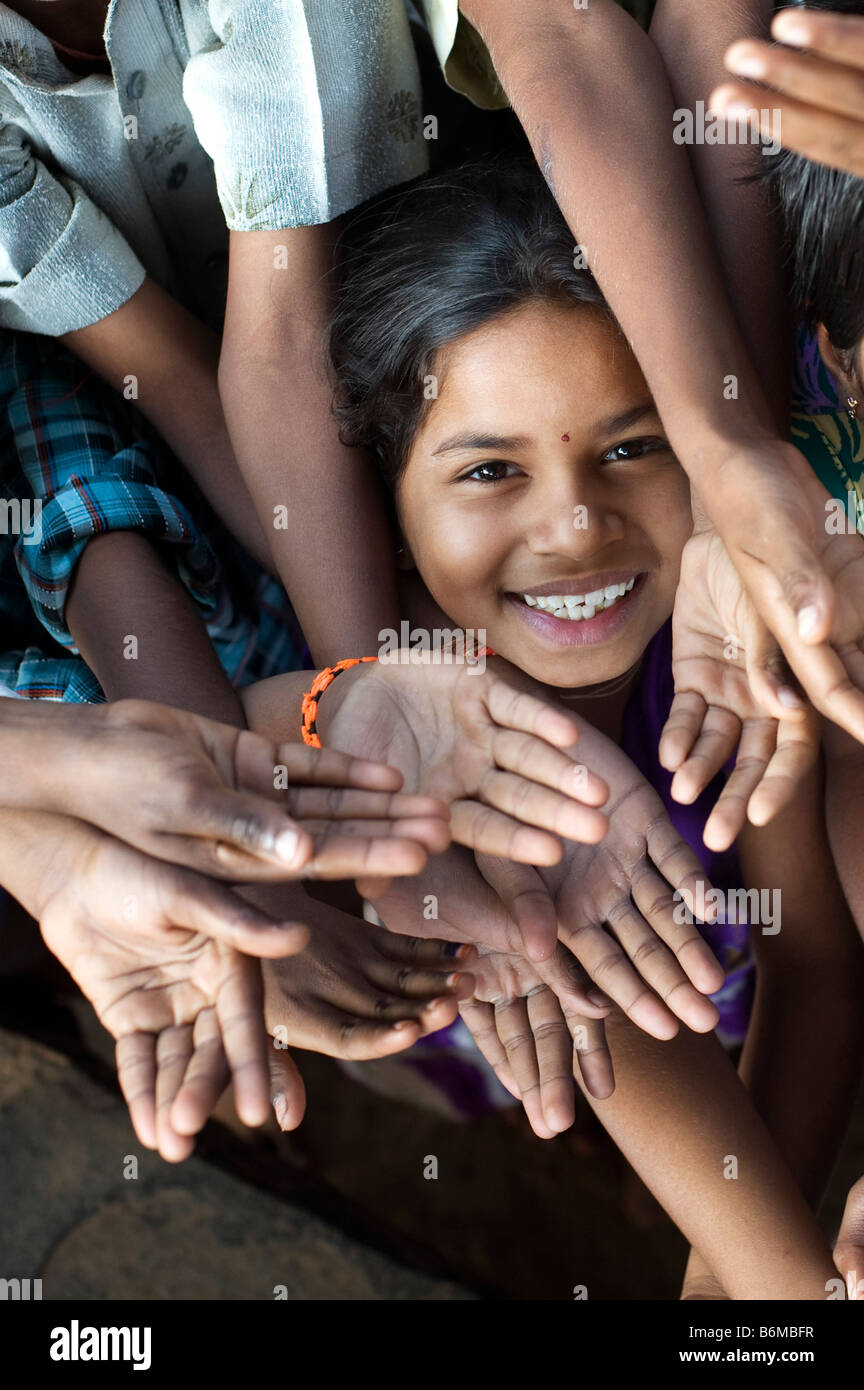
(509,443)
(628,419)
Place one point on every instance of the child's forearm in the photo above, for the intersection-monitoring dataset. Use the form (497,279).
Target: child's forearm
(802,1065)
(140,633)
(844,809)
(156,348)
(680,1115)
(319,502)
(592,93)
(805,1042)
(692,38)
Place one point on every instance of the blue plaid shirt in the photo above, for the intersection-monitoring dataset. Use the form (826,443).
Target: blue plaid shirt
(71,444)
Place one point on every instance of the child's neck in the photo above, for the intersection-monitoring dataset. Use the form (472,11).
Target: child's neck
(601,705)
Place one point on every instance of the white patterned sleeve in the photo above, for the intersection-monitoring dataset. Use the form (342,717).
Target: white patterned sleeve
(306,107)
(63,264)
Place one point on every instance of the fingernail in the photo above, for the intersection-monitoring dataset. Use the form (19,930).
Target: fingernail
(286,845)
(746,64)
(791,28)
(402,1025)
(808,621)
(454,949)
(788,698)
(453,980)
(280,1105)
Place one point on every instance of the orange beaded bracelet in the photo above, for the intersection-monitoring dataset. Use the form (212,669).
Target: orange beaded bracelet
(309,707)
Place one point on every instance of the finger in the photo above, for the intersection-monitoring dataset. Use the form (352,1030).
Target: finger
(555,1059)
(680,866)
(664,944)
(173,1052)
(341,804)
(406,986)
(591,1052)
(849,1250)
(830,35)
(422,952)
(517,1039)
(834,683)
(479,1019)
(795,755)
(820,82)
(136,1072)
(488,831)
(240,1010)
(532,758)
(353,1038)
(717,741)
(207,1076)
(681,729)
(327,767)
(570,984)
(287,1092)
(770,677)
(531,804)
(192,901)
(527,900)
(607,965)
(516,709)
(757,747)
(226,822)
(819,135)
(339,856)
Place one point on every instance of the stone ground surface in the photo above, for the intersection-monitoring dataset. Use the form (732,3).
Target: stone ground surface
(338,1210)
(193,1231)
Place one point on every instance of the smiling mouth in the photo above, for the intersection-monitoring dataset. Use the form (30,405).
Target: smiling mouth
(578,608)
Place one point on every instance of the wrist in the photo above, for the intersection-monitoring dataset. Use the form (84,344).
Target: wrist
(38,851)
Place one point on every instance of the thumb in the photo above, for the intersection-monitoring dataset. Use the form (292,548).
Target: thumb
(805,587)
(526,898)
(287,1092)
(772,683)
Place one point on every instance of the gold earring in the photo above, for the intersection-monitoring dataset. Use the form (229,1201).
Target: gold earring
(853,407)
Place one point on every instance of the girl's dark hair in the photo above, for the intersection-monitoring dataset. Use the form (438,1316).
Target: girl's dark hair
(823,211)
(424,268)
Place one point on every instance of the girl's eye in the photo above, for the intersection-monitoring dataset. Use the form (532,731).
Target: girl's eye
(493,472)
(634,449)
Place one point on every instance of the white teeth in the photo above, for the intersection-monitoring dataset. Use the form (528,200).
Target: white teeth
(577,607)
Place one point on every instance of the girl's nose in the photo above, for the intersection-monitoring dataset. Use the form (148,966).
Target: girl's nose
(574,520)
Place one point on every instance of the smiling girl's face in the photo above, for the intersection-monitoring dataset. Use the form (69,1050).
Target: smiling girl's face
(541,501)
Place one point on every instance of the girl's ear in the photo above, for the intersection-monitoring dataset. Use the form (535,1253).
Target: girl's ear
(841,365)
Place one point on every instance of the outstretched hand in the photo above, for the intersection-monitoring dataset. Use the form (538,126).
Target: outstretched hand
(500,757)
(161,954)
(728,673)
